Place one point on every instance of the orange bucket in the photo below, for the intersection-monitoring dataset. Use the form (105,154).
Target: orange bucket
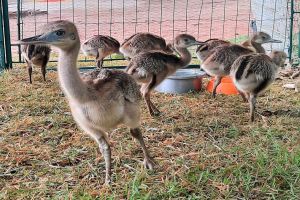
(225,87)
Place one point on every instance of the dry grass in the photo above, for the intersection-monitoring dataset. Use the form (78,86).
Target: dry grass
(204,148)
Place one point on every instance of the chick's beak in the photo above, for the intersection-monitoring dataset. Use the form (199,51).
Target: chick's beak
(274,41)
(31,40)
(47,38)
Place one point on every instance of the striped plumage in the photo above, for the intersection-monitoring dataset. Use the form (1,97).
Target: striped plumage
(152,67)
(37,55)
(143,42)
(116,80)
(203,51)
(219,62)
(253,73)
(100,46)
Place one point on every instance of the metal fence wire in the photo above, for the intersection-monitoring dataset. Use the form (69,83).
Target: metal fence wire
(204,19)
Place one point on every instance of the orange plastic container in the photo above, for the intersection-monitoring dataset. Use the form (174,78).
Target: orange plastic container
(225,87)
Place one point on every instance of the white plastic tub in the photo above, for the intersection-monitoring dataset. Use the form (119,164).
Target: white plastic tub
(183,81)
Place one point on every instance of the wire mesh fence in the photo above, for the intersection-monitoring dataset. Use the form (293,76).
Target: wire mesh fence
(204,19)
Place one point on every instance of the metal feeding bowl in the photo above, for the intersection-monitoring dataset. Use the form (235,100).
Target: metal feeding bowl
(183,81)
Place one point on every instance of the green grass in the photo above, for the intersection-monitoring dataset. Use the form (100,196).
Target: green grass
(204,148)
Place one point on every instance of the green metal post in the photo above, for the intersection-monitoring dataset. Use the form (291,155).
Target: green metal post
(291,30)
(19,28)
(2,51)
(7,34)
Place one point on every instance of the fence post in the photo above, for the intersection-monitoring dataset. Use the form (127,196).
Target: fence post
(290,51)
(19,28)
(7,34)
(2,48)
(5,45)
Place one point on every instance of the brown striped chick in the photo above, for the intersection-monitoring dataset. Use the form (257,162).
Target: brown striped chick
(143,42)
(100,46)
(257,40)
(151,68)
(219,62)
(37,55)
(206,49)
(253,73)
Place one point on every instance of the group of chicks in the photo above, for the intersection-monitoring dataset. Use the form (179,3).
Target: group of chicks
(152,60)
(251,70)
(102,99)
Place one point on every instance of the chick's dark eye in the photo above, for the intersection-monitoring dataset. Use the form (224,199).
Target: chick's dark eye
(60,32)
(186,40)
